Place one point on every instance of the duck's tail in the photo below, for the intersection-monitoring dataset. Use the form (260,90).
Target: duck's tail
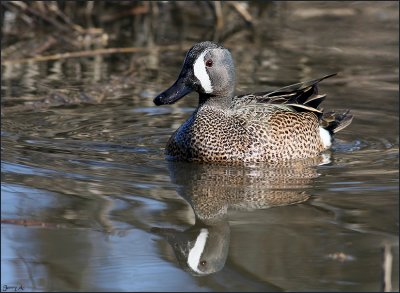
(334,121)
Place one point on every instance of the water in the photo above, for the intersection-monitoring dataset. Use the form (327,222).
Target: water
(90,203)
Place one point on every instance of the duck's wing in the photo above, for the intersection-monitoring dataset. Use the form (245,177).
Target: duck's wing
(297,97)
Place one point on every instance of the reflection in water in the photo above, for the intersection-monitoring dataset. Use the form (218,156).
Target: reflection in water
(81,165)
(212,190)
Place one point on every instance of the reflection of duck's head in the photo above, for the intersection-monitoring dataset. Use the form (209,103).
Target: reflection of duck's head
(201,249)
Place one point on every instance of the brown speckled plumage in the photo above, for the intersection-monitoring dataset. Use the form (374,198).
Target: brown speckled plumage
(271,126)
(212,189)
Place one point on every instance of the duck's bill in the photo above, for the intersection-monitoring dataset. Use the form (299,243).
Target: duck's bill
(177,91)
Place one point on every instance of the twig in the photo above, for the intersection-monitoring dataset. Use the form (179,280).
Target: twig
(54,7)
(87,53)
(29,223)
(387,259)
(45,46)
(242,10)
(219,20)
(142,9)
(27,8)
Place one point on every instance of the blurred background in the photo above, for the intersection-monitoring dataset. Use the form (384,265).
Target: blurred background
(88,200)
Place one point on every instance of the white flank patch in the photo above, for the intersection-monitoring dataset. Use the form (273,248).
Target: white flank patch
(200,72)
(325,137)
(197,250)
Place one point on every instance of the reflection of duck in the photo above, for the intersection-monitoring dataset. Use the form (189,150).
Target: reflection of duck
(287,123)
(213,189)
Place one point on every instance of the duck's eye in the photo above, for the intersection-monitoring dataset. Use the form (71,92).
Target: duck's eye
(203,263)
(209,63)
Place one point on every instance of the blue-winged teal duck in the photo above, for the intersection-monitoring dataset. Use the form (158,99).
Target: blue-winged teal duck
(270,126)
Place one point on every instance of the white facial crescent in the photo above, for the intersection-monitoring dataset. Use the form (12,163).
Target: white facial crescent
(199,69)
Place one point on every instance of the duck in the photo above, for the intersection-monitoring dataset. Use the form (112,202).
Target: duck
(280,125)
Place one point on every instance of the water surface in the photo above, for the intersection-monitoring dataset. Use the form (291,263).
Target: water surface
(90,203)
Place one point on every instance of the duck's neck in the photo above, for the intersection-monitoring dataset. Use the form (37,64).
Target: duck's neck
(215,101)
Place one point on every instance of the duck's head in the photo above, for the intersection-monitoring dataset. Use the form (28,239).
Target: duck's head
(208,69)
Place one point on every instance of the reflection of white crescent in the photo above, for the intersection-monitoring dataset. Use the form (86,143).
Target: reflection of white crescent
(197,250)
